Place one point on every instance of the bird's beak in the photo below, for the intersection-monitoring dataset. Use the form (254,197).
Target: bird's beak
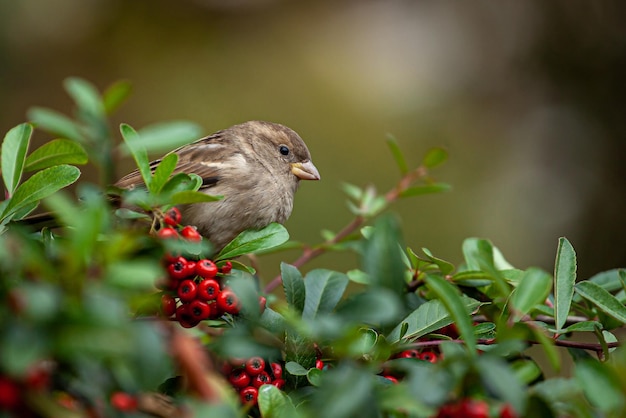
(305,171)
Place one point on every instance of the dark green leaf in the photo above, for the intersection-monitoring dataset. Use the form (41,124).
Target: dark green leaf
(396,152)
(435,157)
(479,254)
(600,385)
(324,289)
(115,95)
(85,95)
(527,370)
(605,301)
(453,302)
(375,306)
(14,149)
(585,326)
(532,290)
(254,240)
(138,151)
(425,189)
(163,172)
(382,255)
(42,184)
(181,182)
(500,379)
(275,404)
(314,376)
(55,123)
(444,266)
(56,152)
(293,284)
(472,278)
(429,317)
(564,280)
(296,369)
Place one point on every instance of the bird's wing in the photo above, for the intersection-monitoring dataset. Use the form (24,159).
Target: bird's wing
(201,157)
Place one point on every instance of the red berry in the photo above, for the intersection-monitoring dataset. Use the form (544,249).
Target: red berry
(226,267)
(228,302)
(249,395)
(279,383)
(124,402)
(181,268)
(168,305)
(190,233)
(206,268)
(277,370)
(239,378)
(187,290)
(167,233)
(199,310)
(408,354)
(391,378)
(9,393)
(255,365)
(261,379)
(319,364)
(184,317)
(507,411)
(428,356)
(208,289)
(474,408)
(172,217)
(215,312)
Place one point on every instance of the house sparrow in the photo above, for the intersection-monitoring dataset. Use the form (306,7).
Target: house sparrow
(256,166)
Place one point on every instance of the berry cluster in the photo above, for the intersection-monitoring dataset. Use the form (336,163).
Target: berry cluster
(473,408)
(248,375)
(195,290)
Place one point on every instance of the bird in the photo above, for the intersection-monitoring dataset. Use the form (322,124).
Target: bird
(256,166)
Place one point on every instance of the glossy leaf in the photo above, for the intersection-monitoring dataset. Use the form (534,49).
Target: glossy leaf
(14,149)
(56,152)
(564,280)
(429,317)
(324,289)
(251,240)
(296,369)
(138,151)
(454,304)
(423,189)
(275,404)
(435,157)
(293,285)
(532,290)
(181,182)
(42,184)
(115,95)
(605,301)
(163,172)
(397,154)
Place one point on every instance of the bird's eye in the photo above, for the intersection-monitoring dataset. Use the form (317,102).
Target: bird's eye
(284,150)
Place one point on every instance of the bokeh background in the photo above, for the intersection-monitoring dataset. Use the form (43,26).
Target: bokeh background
(527,97)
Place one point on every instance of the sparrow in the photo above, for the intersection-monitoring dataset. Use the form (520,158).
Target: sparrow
(256,166)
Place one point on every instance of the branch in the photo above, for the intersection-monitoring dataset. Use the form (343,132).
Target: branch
(559,343)
(391,196)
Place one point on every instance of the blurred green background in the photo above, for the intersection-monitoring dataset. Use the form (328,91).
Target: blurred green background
(527,97)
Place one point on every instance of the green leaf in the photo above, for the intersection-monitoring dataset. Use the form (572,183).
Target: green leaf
(293,284)
(479,254)
(527,370)
(605,301)
(42,184)
(165,136)
(374,306)
(382,255)
(85,95)
(115,95)
(472,278)
(56,152)
(584,326)
(397,154)
(132,140)
(444,266)
(181,182)
(189,196)
(600,385)
(163,172)
(426,189)
(296,369)
(354,192)
(448,294)
(314,376)
(533,290)
(14,148)
(358,276)
(435,157)
(428,317)
(498,378)
(56,123)
(275,404)
(564,280)
(324,289)
(251,240)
